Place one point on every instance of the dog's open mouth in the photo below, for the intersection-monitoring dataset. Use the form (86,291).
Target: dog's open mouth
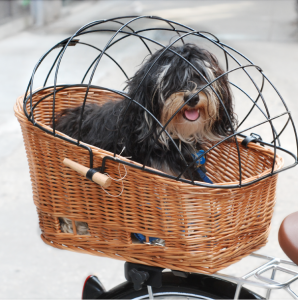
(191,114)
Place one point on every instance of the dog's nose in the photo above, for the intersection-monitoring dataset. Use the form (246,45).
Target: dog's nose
(194,99)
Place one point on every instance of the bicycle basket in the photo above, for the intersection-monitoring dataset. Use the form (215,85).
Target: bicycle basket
(204,227)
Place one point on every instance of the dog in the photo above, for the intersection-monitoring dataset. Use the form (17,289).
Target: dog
(162,87)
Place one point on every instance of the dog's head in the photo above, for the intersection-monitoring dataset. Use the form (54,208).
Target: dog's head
(175,85)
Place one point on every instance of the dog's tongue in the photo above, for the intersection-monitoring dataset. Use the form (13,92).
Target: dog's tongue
(191,114)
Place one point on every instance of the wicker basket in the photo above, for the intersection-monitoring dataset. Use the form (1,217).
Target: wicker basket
(204,229)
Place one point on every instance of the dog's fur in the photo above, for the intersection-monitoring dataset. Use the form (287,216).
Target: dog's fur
(170,82)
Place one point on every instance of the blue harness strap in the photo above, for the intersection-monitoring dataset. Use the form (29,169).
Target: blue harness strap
(204,177)
(142,238)
(200,162)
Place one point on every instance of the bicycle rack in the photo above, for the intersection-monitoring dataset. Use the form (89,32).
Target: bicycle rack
(264,282)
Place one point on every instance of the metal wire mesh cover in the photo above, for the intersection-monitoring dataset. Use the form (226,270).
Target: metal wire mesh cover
(205,227)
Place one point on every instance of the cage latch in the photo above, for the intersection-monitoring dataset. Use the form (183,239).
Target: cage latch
(252,138)
(71,43)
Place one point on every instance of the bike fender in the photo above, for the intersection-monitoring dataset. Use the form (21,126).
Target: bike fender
(206,285)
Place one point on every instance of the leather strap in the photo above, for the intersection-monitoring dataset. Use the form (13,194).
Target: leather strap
(90,173)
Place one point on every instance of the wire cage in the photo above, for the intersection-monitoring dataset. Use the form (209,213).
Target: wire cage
(204,227)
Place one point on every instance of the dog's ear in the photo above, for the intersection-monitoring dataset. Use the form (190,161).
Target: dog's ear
(145,87)
(139,87)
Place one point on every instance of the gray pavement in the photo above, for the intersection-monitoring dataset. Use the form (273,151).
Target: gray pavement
(265,31)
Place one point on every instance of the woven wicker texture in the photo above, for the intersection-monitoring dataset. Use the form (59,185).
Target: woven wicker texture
(204,229)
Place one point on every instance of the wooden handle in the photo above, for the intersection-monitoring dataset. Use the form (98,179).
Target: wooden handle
(99,178)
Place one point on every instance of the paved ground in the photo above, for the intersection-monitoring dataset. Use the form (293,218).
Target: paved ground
(265,31)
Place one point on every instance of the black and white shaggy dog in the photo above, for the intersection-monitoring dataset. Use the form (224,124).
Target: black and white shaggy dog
(170,82)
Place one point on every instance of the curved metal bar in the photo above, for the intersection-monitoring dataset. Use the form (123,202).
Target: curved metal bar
(255,104)
(145,30)
(240,89)
(264,102)
(43,98)
(282,130)
(229,47)
(216,39)
(38,64)
(97,57)
(49,73)
(30,85)
(227,61)
(294,128)
(112,19)
(134,31)
(262,86)
(128,34)
(174,29)
(59,61)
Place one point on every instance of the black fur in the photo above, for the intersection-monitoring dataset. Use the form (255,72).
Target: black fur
(101,123)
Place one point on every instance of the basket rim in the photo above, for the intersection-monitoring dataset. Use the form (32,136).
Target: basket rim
(279,161)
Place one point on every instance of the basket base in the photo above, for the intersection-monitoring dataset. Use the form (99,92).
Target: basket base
(163,258)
